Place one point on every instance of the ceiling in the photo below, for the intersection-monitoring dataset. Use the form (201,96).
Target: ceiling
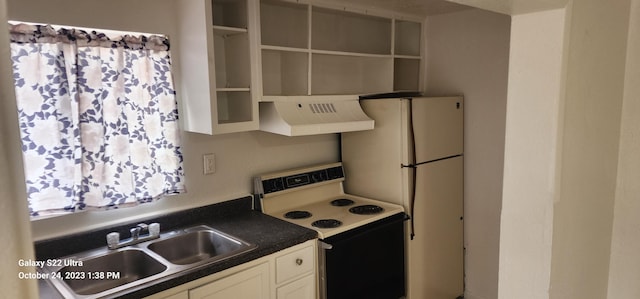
(412,7)
(434,7)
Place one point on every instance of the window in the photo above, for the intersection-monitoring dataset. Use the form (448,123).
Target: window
(98,118)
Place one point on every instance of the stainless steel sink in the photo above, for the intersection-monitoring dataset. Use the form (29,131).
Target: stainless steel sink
(197,246)
(108,273)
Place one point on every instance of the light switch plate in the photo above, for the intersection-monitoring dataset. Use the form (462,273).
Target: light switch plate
(209,163)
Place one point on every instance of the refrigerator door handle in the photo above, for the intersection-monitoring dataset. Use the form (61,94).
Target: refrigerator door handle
(413,202)
(413,166)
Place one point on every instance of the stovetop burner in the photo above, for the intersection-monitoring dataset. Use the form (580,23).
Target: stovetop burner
(342,202)
(297,215)
(326,223)
(314,198)
(366,210)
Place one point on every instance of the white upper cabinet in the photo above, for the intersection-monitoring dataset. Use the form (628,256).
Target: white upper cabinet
(235,53)
(309,49)
(218,70)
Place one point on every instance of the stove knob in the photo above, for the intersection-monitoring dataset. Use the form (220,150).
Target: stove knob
(318,176)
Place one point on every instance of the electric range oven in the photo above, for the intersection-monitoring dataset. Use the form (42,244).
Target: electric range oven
(361,240)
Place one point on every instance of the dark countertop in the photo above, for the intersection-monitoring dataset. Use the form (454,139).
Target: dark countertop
(233,217)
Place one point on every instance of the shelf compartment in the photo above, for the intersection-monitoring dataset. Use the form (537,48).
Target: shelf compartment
(350,54)
(407,38)
(345,74)
(232,63)
(234,106)
(284,24)
(223,30)
(229,13)
(286,49)
(285,73)
(406,74)
(342,31)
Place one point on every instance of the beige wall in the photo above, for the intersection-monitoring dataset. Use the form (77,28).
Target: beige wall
(532,146)
(624,268)
(565,159)
(467,53)
(15,234)
(238,156)
(556,238)
(583,212)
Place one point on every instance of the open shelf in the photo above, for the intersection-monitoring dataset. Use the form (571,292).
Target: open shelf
(229,13)
(234,106)
(232,60)
(308,49)
(284,24)
(285,72)
(406,74)
(407,38)
(357,75)
(223,30)
(341,31)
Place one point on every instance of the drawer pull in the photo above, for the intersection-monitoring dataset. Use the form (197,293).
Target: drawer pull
(299,261)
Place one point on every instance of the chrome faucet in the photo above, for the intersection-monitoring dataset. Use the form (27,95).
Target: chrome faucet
(135,232)
(152,230)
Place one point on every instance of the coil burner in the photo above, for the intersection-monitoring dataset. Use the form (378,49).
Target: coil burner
(366,210)
(342,202)
(297,215)
(326,223)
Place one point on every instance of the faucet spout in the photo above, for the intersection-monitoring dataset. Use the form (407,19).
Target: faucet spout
(153,229)
(136,231)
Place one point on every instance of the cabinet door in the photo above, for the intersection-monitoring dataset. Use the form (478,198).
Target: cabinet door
(304,288)
(252,283)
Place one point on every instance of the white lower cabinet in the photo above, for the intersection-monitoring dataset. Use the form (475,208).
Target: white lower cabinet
(287,274)
(303,288)
(295,274)
(252,283)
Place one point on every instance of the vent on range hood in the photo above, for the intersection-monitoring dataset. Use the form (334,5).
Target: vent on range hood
(298,116)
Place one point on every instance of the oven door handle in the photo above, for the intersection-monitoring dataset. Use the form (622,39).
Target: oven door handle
(324,245)
(322,273)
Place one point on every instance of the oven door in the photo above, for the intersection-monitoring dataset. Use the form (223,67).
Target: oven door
(365,262)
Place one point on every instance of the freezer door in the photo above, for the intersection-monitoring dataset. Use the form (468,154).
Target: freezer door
(437,127)
(435,255)
(372,158)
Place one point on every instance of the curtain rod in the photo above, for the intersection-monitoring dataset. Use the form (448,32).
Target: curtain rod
(108,32)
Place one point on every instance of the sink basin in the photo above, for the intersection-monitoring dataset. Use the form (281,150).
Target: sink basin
(101,273)
(198,246)
(106,273)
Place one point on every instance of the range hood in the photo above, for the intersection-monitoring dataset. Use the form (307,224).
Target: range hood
(312,115)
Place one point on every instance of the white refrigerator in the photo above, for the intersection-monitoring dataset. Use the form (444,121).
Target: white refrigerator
(414,157)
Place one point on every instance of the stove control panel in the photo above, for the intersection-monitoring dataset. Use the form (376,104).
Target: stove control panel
(303,178)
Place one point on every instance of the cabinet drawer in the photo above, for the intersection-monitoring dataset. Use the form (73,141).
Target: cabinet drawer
(294,264)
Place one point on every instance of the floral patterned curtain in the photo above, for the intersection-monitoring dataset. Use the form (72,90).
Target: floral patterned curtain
(98,119)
